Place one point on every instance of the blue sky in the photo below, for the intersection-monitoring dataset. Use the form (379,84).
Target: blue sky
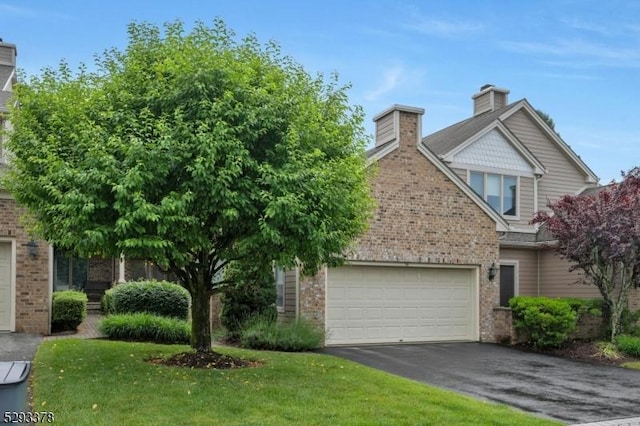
(579,61)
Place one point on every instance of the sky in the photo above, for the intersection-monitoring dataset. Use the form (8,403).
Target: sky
(576,60)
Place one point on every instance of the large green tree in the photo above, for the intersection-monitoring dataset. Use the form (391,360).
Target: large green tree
(192,149)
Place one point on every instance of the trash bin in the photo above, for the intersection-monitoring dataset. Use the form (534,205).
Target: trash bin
(14,385)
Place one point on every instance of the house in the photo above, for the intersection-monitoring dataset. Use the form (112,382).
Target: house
(31,270)
(450,241)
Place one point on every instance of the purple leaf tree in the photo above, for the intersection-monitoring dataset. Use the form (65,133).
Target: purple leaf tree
(600,235)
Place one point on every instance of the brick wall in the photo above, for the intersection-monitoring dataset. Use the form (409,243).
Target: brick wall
(32,298)
(421,217)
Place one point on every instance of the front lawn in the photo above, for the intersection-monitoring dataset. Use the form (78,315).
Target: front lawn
(96,382)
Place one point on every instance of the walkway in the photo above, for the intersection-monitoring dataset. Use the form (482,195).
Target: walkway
(87,330)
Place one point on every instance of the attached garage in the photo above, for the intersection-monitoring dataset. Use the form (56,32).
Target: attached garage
(6,286)
(389,304)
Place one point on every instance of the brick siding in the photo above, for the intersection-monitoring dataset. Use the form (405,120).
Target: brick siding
(421,217)
(32,298)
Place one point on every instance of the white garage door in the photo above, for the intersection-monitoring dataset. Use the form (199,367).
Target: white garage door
(5,286)
(381,304)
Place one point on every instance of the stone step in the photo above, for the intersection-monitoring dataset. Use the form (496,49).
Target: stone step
(93,307)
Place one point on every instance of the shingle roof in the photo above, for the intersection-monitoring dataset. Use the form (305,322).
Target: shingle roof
(594,190)
(371,152)
(445,140)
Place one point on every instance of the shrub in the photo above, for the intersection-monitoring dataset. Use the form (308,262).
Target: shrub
(548,322)
(155,297)
(585,306)
(106,303)
(628,345)
(68,310)
(296,336)
(629,322)
(253,293)
(145,327)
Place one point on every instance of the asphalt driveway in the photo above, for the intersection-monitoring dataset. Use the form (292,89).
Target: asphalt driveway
(569,391)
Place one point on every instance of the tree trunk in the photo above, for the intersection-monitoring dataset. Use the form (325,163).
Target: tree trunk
(200,316)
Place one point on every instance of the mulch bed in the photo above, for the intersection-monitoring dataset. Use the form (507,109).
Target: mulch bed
(580,351)
(209,360)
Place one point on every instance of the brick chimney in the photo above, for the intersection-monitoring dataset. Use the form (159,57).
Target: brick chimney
(489,98)
(388,123)
(8,53)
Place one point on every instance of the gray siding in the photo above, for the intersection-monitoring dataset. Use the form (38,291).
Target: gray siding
(462,173)
(527,269)
(557,281)
(385,130)
(563,176)
(482,103)
(526,201)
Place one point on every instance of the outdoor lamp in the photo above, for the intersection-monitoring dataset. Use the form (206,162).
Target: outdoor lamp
(32,246)
(493,271)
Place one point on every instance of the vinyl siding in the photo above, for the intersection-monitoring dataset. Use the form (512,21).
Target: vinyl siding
(462,173)
(384,129)
(290,284)
(557,281)
(482,103)
(526,202)
(527,269)
(562,176)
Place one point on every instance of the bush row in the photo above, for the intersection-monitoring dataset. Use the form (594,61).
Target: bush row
(266,334)
(142,326)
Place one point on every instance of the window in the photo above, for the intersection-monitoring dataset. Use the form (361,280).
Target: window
(69,273)
(279,272)
(508,288)
(500,191)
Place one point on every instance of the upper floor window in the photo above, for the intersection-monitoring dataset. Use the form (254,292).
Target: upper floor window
(500,191)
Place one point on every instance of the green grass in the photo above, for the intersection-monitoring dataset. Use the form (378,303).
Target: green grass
(100,382)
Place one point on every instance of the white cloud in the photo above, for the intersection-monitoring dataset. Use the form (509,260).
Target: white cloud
(575,52)
(391,78)
(444,28)
(9,9)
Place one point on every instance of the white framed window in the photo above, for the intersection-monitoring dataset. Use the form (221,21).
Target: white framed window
(279,276)
(500,191)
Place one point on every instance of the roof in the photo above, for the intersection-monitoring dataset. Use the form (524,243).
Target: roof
(447,139)
(595,190)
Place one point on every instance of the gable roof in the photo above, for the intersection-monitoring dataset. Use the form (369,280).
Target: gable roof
(447,140)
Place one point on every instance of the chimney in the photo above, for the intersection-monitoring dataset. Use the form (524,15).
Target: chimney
(8,78)
(388,123)
(489,98)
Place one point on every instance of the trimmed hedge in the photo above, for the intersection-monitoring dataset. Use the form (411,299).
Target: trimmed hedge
(68,310)
(106,303)
(155,297)
(297,336)
(146,327)
(547,321)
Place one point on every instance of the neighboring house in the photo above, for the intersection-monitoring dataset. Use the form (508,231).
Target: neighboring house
(453,210)
(30,270)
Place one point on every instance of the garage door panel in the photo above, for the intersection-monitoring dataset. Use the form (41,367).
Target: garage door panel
(379,304)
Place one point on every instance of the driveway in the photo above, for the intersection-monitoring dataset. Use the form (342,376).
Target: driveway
(569,391)
(18,346)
